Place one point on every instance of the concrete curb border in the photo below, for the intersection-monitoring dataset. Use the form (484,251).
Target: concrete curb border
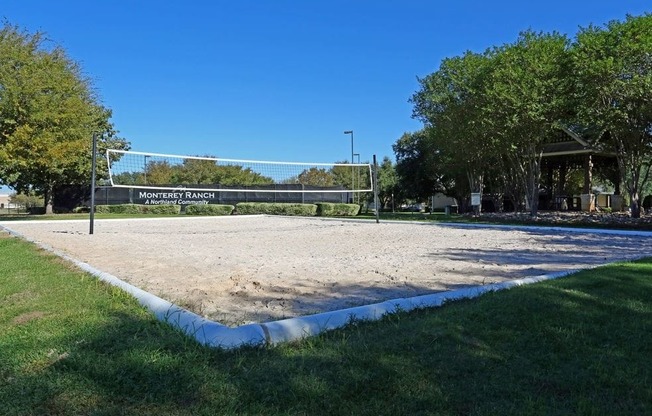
(214,334)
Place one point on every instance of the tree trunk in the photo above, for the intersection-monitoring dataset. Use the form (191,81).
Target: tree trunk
(476,185)
(634,172)
(533,181)
(563,171)
(47,200)
(588,174)
(635,204)
(533,195)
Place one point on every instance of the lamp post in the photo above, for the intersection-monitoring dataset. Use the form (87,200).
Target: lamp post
(352,170)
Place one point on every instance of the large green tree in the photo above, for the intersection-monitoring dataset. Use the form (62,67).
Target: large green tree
(195,171)
(48,113)
(528,98)
(613,71)
(421,166)
(388,186)
(316,177)
(451,103)
(490,115)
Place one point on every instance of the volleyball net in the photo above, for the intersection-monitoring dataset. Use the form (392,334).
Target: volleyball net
(131,169)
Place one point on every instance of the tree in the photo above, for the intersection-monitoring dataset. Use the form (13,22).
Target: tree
(387,182)
(238,175)
(198,171)
(316,177)
(25,200)
(48,113)
(157,173)
(527,99)
(613,71)
(451,103)
(420,165)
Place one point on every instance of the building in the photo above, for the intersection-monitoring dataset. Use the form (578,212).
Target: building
(4,201)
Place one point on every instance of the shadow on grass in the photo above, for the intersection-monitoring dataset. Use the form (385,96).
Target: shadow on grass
(577,345)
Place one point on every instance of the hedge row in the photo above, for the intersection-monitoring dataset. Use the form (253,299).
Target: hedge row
(328,209)
(243,208)
(248,208)
(138,209)
(209,209)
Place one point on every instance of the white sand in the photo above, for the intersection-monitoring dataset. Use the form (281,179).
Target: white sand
(255,269)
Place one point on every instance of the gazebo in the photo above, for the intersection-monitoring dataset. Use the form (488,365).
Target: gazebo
(566,151)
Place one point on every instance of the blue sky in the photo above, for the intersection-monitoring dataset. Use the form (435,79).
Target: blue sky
(280,79)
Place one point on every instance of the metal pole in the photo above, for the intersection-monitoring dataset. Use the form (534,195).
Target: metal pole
(358,175)
(352,169)
(145,172)
(93,165)
(376,190)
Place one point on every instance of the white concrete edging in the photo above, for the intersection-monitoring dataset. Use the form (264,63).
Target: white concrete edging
(296,328)
(214,334)
(203,330)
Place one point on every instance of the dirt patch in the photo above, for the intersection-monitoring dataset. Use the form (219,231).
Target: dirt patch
(28,317)
(243,269)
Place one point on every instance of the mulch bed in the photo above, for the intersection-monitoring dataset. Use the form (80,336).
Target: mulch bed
(617,220)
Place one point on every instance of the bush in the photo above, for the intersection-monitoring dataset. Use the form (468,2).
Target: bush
(27,200)
(248,208)
(328,209)
(125,209)
(138,209)
(164,209)
(209,209)
(36,210)
(647,202)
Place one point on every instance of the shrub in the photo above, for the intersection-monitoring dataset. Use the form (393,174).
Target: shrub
(125,209)
(166,209)
(647,202)
(328,209)
(210,209)
(138,209)
(249,208)
(36,210)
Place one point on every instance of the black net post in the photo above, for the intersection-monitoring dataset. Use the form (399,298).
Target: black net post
(375,183)
(93,164)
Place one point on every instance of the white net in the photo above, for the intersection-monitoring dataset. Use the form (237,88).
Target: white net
(129,169)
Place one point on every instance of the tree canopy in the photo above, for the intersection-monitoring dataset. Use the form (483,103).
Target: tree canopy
(487,116)
(193,171)
(48,113)
(613,71)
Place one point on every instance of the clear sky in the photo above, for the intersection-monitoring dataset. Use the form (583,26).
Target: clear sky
(281,79)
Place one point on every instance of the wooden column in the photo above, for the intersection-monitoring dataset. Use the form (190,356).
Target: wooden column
(563,170)
(588,174)
(587,197)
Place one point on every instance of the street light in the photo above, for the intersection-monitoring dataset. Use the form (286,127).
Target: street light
(352,170)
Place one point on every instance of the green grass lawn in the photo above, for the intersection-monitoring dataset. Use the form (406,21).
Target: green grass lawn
(70,344)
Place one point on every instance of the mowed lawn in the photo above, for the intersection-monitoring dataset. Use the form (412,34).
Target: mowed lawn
(579,345)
